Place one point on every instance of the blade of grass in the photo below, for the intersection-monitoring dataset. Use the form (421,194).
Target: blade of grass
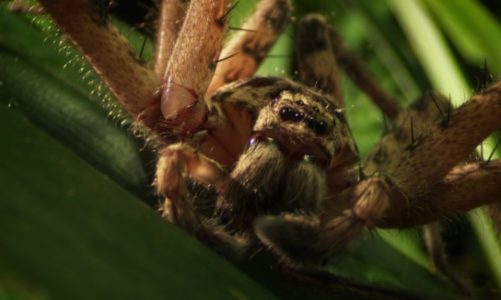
(472,29)
(431,50)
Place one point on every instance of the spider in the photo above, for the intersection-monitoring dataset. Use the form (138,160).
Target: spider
(278,154)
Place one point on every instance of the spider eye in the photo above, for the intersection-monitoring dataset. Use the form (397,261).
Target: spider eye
(319,126)
(289,114)
(275,95)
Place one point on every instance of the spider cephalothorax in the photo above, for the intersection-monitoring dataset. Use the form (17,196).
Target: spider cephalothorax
(279,154)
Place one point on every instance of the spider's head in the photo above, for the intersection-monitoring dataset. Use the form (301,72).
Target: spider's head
(303,121)
(304,113)
(299,119)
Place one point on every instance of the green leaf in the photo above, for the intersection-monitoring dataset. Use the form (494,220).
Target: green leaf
(71,232)
(472,29)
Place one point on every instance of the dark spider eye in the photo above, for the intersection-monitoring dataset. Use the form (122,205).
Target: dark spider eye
(275,95)
(319,126)
(288,114)
(300,102)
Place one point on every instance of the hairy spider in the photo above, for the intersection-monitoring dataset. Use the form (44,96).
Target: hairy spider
(279,154)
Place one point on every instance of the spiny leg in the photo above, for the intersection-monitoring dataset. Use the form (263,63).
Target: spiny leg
(242,56)
(178,164)
(431,113)
(132,83)
(465,187)
(435,191)
(430,154)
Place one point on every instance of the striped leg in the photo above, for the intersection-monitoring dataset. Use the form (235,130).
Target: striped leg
(241,58)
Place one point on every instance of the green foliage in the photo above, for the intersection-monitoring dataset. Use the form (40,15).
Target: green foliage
(72,219)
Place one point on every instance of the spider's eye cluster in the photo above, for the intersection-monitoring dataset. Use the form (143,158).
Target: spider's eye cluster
(290,114)
(319,126)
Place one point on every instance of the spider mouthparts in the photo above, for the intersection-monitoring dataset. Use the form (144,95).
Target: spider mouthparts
(182,108)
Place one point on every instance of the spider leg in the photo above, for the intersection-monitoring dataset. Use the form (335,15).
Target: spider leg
(465,187)
(316,57)
(412,128)
(424,156)
(313,238)
(417,155)
(171,17)
(132,83)
(177,164)
(320,52)
(361,76)
(190,68)
(436,248)
(242,56)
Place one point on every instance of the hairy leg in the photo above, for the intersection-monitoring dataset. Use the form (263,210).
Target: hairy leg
(170,20)
(314,238)
(242,56)
(465,187)
(190,69)
(132,83)
(320,52)
(177,164)
(316,58)
(418,153)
